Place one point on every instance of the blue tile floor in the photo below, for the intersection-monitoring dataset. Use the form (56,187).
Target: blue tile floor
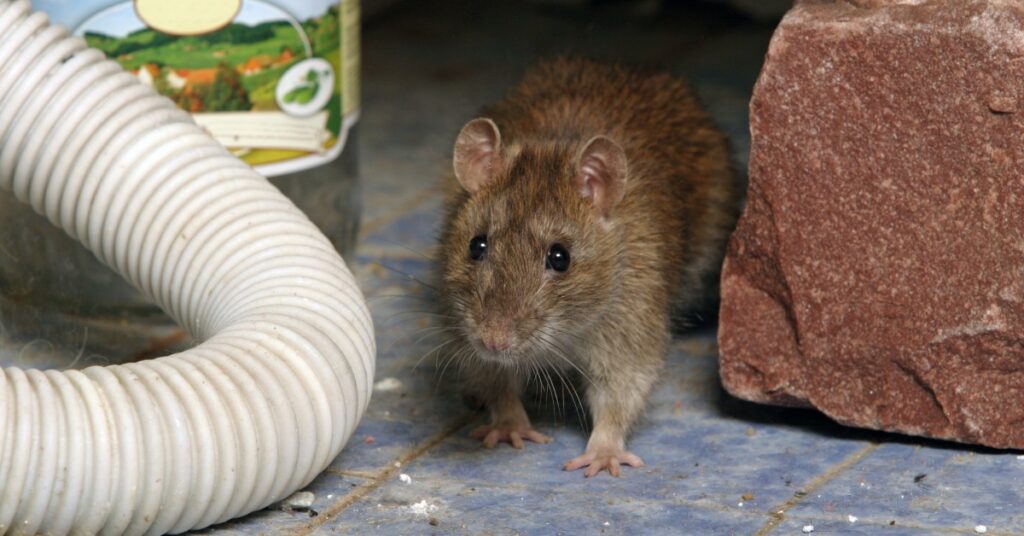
(715,465)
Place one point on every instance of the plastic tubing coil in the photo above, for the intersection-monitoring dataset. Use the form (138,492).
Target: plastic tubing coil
(285,368)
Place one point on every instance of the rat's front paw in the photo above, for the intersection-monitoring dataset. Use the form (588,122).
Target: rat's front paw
(513,434)
(597,460)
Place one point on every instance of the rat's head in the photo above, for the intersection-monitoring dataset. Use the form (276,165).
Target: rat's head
(529,253)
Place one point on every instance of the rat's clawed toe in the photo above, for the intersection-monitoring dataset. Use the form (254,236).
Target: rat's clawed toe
(599,460)
(513,434)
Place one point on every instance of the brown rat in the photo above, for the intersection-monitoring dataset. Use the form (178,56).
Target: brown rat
(591,204)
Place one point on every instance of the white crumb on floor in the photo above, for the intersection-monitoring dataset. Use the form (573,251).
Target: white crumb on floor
(398,464)
(1021,457)
(300,499)
(607,524)
(387,384)
(808,529)
(852,519)
(423,508)
(981,529)
(406,479)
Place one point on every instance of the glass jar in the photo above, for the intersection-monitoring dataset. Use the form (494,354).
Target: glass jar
(276,81)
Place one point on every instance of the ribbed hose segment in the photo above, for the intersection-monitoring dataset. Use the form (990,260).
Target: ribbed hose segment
(285,368)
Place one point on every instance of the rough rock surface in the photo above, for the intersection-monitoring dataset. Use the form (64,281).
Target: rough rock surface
(877,273)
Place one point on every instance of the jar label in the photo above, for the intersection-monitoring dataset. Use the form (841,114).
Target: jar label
(275,81)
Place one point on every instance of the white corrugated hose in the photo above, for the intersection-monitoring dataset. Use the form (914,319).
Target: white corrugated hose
(285,367)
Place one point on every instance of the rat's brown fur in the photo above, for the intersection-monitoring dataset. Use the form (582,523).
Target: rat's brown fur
(657,251)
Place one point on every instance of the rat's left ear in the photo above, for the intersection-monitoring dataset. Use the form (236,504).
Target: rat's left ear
(601,173)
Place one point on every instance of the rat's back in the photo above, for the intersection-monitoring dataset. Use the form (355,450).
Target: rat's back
(570,98)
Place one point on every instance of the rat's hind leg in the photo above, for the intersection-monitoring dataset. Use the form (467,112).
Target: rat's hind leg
(500,390)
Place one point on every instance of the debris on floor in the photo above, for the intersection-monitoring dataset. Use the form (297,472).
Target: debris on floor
(388,384)
(300,499)
(423,508)
(300,502)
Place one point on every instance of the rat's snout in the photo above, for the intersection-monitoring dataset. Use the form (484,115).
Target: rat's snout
(497,334)
(498,342)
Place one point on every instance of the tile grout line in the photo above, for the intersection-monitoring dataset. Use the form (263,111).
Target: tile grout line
(384,476)
(777,514)
(346,472)
(379,222)
(400,253)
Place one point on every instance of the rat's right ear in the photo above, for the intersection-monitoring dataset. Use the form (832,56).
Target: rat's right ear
(601,173)
(476,153)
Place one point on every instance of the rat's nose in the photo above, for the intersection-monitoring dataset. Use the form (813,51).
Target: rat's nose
(497,343)
(496,334)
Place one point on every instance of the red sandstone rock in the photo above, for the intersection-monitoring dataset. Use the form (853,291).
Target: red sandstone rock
(877,273)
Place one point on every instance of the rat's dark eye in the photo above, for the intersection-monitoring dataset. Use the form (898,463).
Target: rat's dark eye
(558,258)
(478,247)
